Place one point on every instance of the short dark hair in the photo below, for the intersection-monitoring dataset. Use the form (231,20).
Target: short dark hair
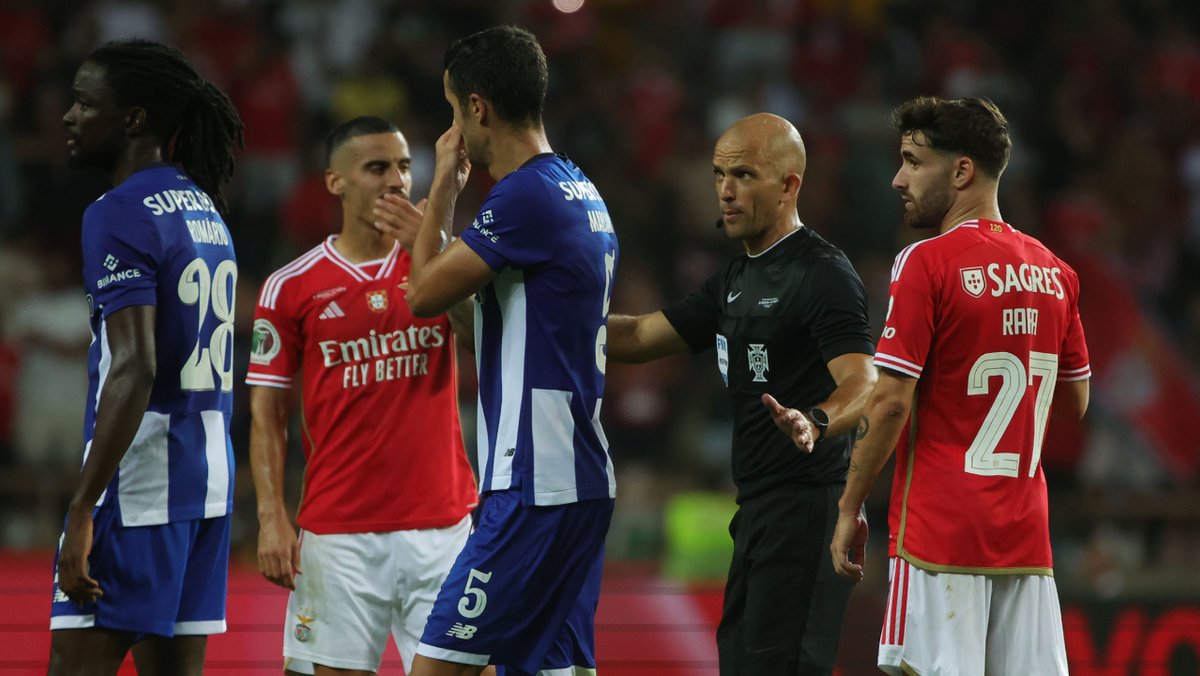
(973,127)
(504,65)
(180,105)
(364,125)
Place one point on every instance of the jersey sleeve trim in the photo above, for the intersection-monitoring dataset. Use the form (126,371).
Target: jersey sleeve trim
(1075,374)
(268,380)
(274,284)
(898,364)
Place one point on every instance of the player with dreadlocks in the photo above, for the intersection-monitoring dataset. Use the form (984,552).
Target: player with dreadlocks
(144,556)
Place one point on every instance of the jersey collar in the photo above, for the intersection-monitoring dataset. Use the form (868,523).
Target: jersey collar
(539,157)
(777,242)
(355,271)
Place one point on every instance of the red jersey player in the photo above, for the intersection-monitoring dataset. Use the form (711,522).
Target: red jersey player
(387,487)
(981,342)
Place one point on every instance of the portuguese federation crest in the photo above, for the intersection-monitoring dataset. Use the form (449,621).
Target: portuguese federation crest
(377,300)
(972,281)
(758,362)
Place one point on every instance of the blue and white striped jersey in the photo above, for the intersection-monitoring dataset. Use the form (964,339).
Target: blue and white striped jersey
(157,239)
(540,334)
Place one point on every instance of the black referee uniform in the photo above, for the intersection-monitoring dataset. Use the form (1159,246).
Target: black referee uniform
(775,320)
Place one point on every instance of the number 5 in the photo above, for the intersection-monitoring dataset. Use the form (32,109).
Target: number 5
(480,596)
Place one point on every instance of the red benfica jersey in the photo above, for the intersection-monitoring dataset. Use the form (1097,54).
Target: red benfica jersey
(987,319)
(381,436)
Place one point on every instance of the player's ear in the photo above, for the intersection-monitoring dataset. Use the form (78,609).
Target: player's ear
(135,121)
(478,109)
(334,182)
(964,172)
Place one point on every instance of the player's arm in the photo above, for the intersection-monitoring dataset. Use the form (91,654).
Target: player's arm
(879,429)
(637,340)
(278,548)
(462,322)
(122,405)
(1071,398)
(855,376)
(440,275)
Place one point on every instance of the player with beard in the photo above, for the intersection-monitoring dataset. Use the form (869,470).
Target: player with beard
(144,556)
(982,341)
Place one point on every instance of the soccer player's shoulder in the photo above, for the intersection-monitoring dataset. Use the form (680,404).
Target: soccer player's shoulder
(290,275)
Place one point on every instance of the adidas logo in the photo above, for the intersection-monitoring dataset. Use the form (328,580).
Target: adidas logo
(332,310)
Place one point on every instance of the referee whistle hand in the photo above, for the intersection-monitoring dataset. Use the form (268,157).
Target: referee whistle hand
(279,552)
(792,423)
(849,546)
(73,578)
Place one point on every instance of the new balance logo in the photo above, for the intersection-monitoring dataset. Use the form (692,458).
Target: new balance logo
(332,310)
(463,631)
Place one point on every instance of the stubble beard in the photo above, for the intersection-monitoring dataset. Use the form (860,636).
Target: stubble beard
(929,211)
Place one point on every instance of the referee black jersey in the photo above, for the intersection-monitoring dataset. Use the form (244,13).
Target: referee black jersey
(775,320)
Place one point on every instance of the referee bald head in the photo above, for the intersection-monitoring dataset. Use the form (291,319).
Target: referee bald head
(759,166)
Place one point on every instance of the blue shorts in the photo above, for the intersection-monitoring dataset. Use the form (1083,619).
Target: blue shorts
(167,580)
(522,595)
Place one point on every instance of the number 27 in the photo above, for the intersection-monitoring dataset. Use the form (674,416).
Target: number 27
(982,458)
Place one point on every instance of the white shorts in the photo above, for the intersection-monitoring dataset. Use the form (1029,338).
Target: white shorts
(358,587)
(950,624)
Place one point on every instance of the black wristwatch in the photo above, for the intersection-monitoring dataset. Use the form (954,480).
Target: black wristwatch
(819,420)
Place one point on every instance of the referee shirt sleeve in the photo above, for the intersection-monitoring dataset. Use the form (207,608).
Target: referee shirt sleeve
(695,318)
(835,309)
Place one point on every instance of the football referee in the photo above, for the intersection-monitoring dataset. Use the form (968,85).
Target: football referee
(793,343)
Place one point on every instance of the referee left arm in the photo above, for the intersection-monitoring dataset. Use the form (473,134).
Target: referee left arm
(854,374)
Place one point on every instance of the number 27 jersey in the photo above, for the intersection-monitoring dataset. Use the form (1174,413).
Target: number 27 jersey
(987,319)
(157,240)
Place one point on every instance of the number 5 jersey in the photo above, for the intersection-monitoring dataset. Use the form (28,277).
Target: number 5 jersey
(158,240)
(987,318)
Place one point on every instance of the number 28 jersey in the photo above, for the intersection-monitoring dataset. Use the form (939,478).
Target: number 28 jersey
(987,319)
(157,240)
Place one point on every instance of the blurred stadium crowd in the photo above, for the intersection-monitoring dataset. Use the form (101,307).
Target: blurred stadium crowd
(1104,101)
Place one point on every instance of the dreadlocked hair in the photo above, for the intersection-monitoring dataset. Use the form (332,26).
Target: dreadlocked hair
(180,105)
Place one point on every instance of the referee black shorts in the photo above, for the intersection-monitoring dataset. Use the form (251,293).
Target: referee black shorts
(784,603)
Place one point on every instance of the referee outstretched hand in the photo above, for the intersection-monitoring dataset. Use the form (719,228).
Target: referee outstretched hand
(793,423)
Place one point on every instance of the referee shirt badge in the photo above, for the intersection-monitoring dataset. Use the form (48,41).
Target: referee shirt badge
(723,358)
(377,300)
(758,362)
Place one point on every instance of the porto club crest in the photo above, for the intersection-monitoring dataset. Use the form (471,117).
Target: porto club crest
(377,300)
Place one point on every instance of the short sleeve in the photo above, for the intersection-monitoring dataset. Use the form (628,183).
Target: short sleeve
(908,331)
(122,251)
(1073,359)
(695,318)
(509,229)
(276,344)
(835,309)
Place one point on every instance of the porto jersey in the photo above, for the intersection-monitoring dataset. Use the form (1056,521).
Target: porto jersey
(987,319)
(158,240)
(540,334)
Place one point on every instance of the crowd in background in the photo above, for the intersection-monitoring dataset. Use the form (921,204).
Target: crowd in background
(1103,97)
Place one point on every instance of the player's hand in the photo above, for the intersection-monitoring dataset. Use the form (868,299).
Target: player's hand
(793,423)
(73,579)
(849,546)
(396,216)
(452,161)
(278,551)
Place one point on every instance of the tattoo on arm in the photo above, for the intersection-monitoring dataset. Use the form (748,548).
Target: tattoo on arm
(864,426)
